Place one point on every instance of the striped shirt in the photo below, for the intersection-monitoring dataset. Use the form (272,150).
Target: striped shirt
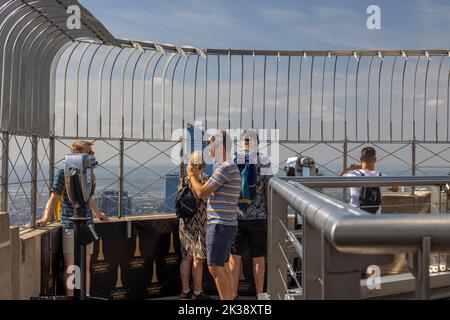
(66,207)
(222,205)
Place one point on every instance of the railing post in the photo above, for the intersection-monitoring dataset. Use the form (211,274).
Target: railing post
(438,199)
(345,165)
(34,160)
(34,189)
(413,172)
(277,269)
(5,172)
(121,178)
(312,280)
(51,168)
(341,274)
(422,270)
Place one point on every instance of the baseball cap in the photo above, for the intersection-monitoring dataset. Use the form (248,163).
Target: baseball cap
(250,135)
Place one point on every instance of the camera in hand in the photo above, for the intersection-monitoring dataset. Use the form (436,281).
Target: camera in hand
(300,166)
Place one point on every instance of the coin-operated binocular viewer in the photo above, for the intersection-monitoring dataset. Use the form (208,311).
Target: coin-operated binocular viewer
(80,185)
(300,166)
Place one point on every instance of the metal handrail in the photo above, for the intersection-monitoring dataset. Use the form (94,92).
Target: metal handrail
(353,230)
(339,241)
(348,182)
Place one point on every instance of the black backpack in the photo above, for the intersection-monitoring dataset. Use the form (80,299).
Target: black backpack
(369,198)
(185,203)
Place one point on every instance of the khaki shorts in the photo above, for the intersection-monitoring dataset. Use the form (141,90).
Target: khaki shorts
(68,242)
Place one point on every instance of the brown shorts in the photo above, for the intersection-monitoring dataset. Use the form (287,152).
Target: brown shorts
(68,243)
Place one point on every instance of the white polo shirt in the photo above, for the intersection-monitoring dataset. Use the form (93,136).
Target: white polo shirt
(356,191)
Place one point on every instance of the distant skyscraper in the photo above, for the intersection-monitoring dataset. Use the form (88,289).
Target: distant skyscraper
(170,192)
(108,202)
(196,141)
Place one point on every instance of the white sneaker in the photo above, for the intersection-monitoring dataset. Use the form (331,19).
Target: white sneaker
(263,296)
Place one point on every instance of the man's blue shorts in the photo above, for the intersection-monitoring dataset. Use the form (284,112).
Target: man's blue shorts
(219,240)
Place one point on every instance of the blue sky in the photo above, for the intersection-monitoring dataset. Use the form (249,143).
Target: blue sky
(282,24)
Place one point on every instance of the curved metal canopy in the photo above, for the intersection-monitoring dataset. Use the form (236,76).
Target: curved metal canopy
(34,38)
(32,33)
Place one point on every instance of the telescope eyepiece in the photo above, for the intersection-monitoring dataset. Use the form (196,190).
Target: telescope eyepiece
(72,171)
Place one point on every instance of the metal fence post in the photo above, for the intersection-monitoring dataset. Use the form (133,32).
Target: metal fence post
(5,172)
(345,165)
(422,273)
(121,178)
(51,168)
(413,172)
(312,280)
(438,199)
(34,189)
(341,274)
(277,269)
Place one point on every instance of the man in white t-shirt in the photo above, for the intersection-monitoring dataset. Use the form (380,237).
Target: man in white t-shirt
(366,169)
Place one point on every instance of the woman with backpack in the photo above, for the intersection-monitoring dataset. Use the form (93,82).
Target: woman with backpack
(192,237)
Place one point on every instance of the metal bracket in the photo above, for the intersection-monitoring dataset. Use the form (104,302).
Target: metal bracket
(419,263)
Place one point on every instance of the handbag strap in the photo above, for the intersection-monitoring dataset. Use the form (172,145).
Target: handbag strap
(182,174)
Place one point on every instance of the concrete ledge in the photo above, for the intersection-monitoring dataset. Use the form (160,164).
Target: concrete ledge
(139,218)
(30,267)
(20,260)
(30,260)
(402,286)
(5,257)
(15,263)
(404,202)
(31,233)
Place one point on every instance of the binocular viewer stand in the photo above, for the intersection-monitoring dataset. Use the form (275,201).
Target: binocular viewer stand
(79,180)
(83,235)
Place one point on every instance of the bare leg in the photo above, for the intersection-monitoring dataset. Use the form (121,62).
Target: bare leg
(259,268)
(68,261)
(185,272)
(197,274)
(230,279)
(235,268)
(222,281)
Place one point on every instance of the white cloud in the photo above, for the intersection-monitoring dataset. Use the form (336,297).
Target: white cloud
(431,103)
(281,15)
